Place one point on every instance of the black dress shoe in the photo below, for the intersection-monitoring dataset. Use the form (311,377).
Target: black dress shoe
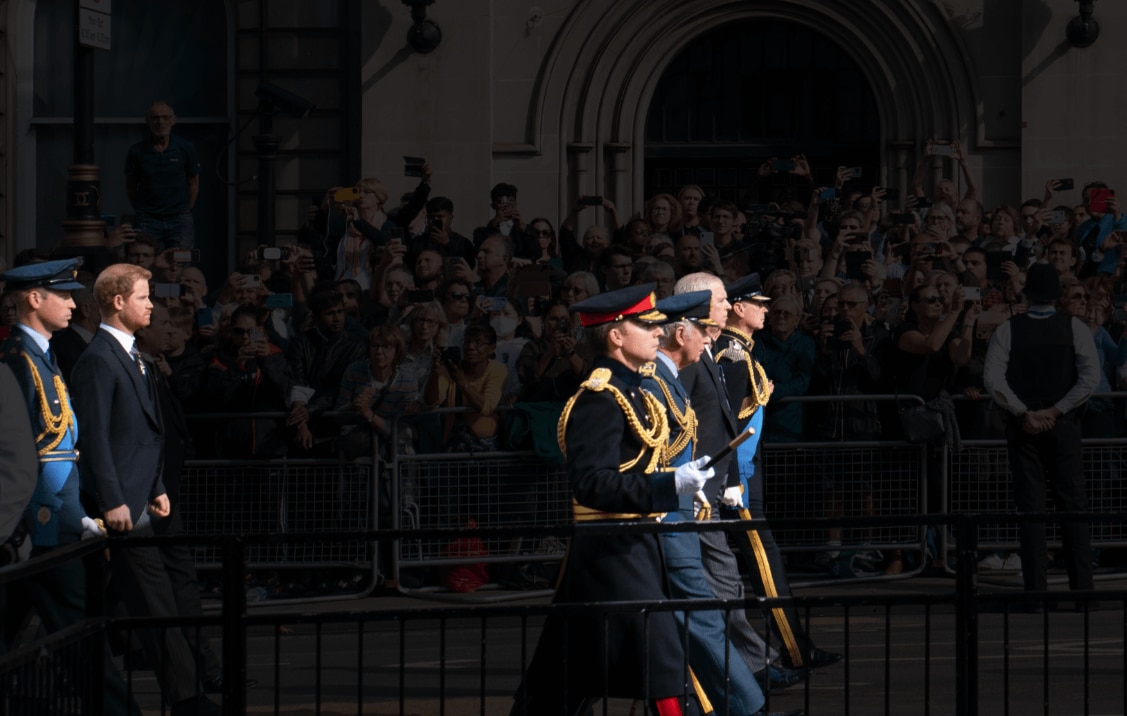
(215,685)
(820,658)
(776,677)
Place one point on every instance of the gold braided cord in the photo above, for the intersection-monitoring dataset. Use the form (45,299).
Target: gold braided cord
(651,439)
(686,420)
(55,426)
(760,389)
(561,424)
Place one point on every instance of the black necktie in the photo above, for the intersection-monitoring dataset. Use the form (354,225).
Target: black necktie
(51,359)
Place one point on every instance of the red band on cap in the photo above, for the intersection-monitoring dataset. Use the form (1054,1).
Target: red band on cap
(593,319)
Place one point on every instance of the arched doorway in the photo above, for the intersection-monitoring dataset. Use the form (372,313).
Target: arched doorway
(594,89)
(747,91)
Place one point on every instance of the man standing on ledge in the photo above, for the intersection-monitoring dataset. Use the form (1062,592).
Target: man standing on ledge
(120,466)
(613,433)
(162,180)
(1041,366)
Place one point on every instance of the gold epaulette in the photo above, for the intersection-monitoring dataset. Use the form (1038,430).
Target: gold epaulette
(597,381)
(652,439)
(54,426)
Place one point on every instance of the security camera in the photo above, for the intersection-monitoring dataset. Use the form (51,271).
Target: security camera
(276,98)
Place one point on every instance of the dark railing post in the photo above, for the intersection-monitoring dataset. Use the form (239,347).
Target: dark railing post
(234,627)
(95,609)
(966,617)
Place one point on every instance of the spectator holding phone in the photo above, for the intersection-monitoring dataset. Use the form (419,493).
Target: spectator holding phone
(247,374)
(364,214)
(1096,235)
(473,381)
(849,362)
(551,367)
(506,222)
(439,234)
(945,191)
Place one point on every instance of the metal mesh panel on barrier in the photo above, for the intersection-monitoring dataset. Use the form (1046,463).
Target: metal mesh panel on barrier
(806,483)
(53,678)
(491,490)
(980,482)
(285,499)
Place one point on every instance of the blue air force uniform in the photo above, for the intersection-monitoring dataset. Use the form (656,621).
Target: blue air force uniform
(716,664)
(54,515)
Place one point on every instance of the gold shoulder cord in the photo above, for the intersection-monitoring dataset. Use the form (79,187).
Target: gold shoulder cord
(686,420)
(651,439)
(55,425)
(760,392)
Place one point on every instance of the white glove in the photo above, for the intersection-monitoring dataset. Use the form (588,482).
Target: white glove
(90,528)
(690,477)
(733,497)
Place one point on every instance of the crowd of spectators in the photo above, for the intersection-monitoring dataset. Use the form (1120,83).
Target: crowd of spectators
(382,311)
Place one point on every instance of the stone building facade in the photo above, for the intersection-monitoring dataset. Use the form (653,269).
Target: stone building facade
(558,96)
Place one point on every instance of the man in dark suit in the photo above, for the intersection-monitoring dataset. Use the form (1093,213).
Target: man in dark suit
(121,458)
(53,514)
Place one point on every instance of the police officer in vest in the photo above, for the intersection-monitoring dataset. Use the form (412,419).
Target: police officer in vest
(1041,366)
(54,517)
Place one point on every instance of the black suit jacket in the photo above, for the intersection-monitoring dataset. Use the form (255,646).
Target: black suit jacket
(67,345)
(716,424)
(119,428)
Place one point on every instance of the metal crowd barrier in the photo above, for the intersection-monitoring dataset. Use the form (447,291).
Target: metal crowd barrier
(287,496)
(923,647)
(488,489)
(518,489)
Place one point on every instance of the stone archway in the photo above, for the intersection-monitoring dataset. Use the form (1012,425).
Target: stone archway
(595,85)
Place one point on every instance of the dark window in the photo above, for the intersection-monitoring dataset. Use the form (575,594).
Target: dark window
(753,90)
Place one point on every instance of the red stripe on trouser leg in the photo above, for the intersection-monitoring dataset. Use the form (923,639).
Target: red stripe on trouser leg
(668,707)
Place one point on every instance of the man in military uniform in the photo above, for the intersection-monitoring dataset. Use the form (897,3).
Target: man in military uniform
(613,434)
(749,389)
(722,680)
(54,516)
